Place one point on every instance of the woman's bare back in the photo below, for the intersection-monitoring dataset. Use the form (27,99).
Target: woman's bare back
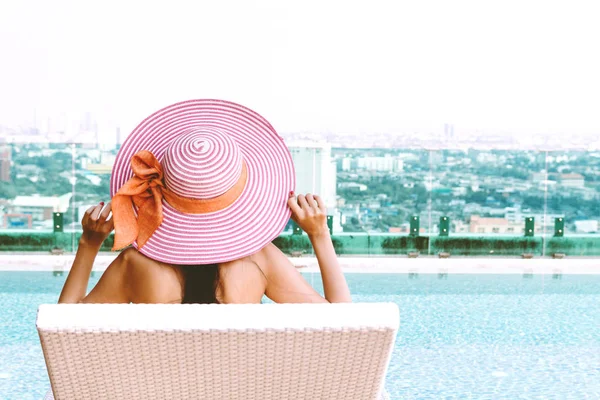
(135,278)
(240,281)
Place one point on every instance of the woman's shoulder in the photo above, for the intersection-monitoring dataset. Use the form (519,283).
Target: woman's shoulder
(242,281)
(152,281)
(269,257)
(247,266)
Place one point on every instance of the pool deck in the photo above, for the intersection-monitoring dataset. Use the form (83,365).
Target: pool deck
(424,265)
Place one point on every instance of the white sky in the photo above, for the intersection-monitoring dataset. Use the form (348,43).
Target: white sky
(312,65)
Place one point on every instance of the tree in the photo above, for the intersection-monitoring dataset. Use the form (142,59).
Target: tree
(7,191)
(533,202)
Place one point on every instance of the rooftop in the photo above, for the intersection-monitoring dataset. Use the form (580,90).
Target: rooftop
(57,203)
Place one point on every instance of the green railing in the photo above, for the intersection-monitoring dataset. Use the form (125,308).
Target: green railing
(360,244)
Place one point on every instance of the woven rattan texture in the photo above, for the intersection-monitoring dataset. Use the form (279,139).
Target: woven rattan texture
(233,364)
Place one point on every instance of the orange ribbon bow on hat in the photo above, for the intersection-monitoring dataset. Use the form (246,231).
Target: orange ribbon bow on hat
(146,190)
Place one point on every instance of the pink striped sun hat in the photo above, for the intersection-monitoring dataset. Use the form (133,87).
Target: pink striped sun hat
(212,176)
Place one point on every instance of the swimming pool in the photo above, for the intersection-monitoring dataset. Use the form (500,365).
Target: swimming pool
(507,336)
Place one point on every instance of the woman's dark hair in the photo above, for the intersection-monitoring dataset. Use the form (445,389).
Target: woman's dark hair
(201,283)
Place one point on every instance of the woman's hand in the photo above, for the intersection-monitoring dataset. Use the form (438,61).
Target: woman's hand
(95,226)
(95,230)
(310,214)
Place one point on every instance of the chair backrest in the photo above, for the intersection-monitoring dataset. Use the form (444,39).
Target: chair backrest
(259,351)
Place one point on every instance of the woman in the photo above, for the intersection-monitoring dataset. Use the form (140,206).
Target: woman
(133,277)
(202,214)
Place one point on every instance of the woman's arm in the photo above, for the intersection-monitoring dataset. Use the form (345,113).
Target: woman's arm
(284,283)
(310,214)
(135,278)
(131,277)
(95,230)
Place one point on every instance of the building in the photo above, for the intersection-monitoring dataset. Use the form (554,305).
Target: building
(487,158)
(380,164)
(346,164)
(5,160)
(543,184)
(586,226)
(104,167)
(99,169)
(538,176)
(459,191)
(572,180)
(495,225)
(459,227)
(353,186)
(38,208)
(512,224)
(316,173)
(472,208)
(513,214)
(19,221)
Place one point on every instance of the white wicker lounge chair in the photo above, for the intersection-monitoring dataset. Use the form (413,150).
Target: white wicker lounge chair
(266,351)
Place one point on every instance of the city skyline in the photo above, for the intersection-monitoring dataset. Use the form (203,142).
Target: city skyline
(480,192)
(85,128)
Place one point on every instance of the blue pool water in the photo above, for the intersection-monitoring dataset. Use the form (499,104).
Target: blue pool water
(461,337)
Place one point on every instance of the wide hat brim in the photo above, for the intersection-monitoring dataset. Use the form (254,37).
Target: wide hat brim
(252,221)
